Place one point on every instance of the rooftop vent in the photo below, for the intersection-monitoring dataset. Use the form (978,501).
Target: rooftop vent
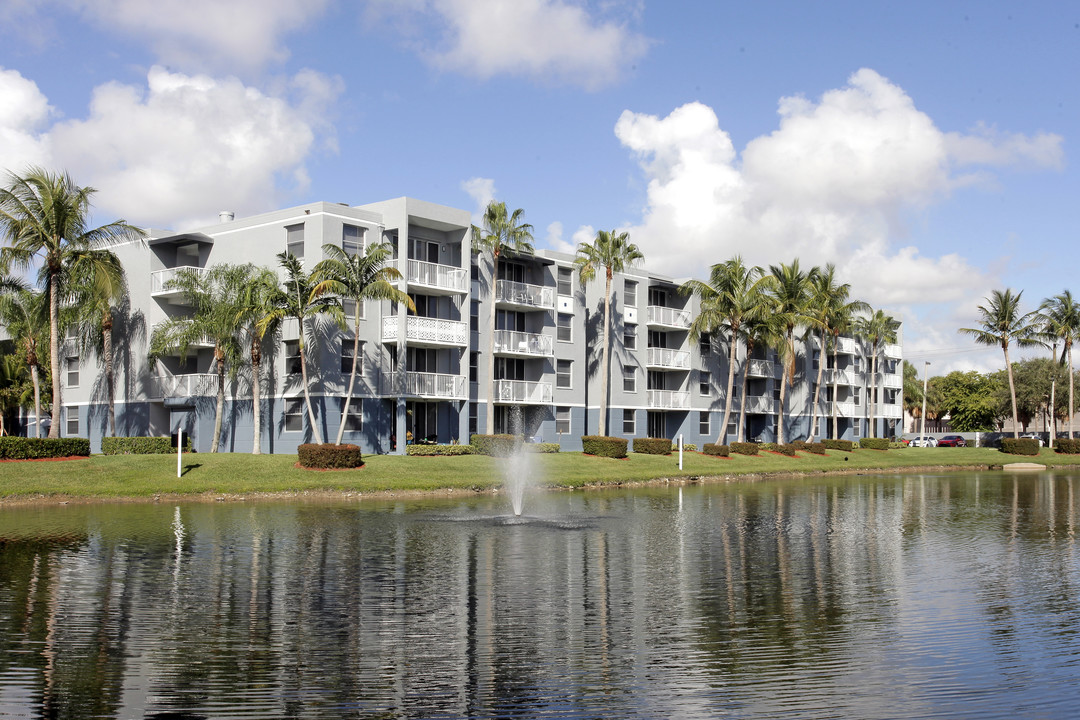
(226,216)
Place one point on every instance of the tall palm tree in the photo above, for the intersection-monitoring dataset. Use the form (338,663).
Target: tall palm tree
(758,330)
(300,299)
(502,232)
(731,296)
(1060,317)
(790,288)
(913,390)
(613,252)
(24,314)
(359,278)
(1002,324)
(44,216)
(878,329)
(258,294)
(215,319)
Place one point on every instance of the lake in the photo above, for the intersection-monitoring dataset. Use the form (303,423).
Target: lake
(876,596)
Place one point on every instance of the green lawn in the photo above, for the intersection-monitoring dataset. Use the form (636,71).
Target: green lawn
(239,474)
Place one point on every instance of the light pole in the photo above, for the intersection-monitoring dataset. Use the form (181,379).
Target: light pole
(925,373)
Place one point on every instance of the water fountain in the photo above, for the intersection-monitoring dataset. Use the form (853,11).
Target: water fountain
(517,471)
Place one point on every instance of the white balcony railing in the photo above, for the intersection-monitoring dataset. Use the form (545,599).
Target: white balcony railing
(423,330)
(668,317)
(182,386)
(760,368)
(840,377)
(669,399)
(892,381)
(893,351)
(846,346)
(514,293)
(843,409)
(440,277)
(511,342)
(889,412)
(439,386)
(522,391)
(159,279)
(760,405)
(667,358)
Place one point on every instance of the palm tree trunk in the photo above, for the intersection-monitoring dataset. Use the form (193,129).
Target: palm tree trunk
(1071,406)
(817,391)
(873,390)
(219,409)
(489,423)
(54,352)
(790,359)
(1012,392)
(315,435)
(721,438)
(352,375)
(741,434)
(37,399)
(835,387)
(602,426)
(256,395)
(110,376)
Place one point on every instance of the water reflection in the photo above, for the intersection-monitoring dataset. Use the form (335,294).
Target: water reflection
(917,596)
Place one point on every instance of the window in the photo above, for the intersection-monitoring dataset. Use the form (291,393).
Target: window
(474,316)
(566,276)
(566,328)
(350,307)
(817,358)
(294,240)
(856,427)
(858,364)
(858,396)
(562,373)
(629,379)
(629,293)
(294,414)
(704,383)
(703,423)
(71,412)
(72,365)
(630,337)
(474,366)
(704,344)
(562,420)
(629,425)
(347,357)
(352,239)
(474,419)
(354,420)
(292,357)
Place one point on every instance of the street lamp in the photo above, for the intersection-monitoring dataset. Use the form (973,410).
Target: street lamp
(925,372)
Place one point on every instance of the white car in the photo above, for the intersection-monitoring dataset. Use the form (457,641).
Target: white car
(1033,436)
(925,441)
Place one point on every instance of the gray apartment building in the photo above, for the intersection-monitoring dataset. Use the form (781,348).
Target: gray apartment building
(424,376)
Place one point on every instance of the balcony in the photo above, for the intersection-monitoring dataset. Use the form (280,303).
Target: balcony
(522,392)
(890,380)
(668,399)
(893,351)
(760,405)
(164,387)
(889,412)
(843,409)
(665,359)
(437,279)
(760,368)
(160,279)
(202,343)
(429,386)
(668,317)
(839,377)
(522,344)
(523,296)
(427,332)
(847,346)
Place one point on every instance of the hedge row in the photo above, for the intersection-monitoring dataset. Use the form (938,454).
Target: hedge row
(745,448)
(816,448)
(495,445)
(652,446)
(718,450)
(1067,446)
(687,447)
(142,445)
(785,449)
(832,444)
(1020,446)
(329,456)
(603,446)
(20,448)
(542,447)
(874,443)
(443,450)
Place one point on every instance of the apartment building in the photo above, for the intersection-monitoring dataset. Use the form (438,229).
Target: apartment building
(425,375)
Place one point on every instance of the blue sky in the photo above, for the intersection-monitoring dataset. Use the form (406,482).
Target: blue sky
(922,147)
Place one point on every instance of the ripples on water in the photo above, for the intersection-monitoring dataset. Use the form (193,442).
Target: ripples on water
(920,596)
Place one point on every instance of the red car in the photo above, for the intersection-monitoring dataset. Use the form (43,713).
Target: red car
(952,441)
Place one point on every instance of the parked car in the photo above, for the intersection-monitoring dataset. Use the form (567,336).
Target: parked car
(1033,436)
(951,441)
(925,441)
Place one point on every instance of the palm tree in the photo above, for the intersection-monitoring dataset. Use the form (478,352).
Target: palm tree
(879,329)
(44,216)
(732,295)
(359,278)
(790,288)
(24,315)
(614,252)
(1060,317)
(913,390)
(215,319)
(258,293)
(759,330)
(502,232)
(300,299)
(1002,323)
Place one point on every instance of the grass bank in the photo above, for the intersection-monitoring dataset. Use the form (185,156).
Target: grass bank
(145,476)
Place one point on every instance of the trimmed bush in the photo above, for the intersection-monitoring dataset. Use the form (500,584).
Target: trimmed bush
(832,444)
(20,448)
(874,444)
(440,450)
(768,446)
(142,445)
(542,447)
(816,448)
(603,446)
(1066,446)
(687,447)
(800,445)
(718,450)
(324,457)
(785,449)
(745,448)
(1020,446)
(495,445)
(652,446)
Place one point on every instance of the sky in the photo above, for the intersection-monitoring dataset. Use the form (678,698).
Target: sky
(921,147)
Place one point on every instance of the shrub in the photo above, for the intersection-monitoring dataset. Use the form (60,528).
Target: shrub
(768,446)
(542,447)
(20,448)
(603,446)
(874,443)
(816,448)
(1067,446)
(896,445)
(744,448)
(442,450)
(1020,446)
(496,445)
(329,456)
(687,447)
(142,445)
(652,446)
(718,450)
(785,449)
(799,445)
(845,445)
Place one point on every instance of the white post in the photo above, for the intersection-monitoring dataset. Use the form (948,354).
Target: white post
(680,451)
(179,447)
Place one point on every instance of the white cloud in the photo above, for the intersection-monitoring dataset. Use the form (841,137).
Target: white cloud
(984,145)
(24,110)
(482,191)
(554,239)
(546,40)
